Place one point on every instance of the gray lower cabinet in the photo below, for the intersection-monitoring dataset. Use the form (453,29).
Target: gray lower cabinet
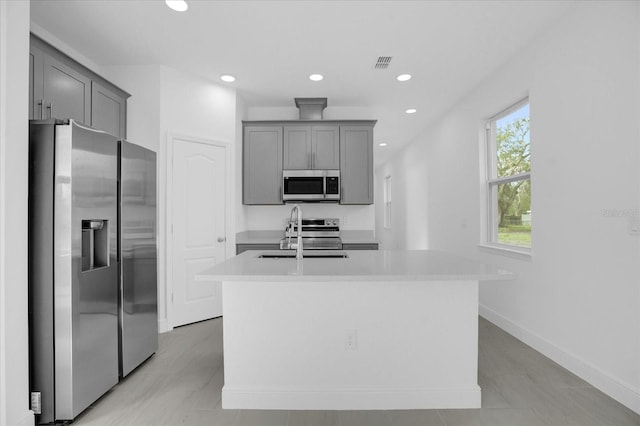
(262,165)
(240,248)
(356,164)
(360,246)
(59,87)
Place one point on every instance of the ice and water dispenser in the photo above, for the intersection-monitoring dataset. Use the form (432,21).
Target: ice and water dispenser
(95,244)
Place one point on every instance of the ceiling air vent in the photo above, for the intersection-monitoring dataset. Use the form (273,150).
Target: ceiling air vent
(383,62)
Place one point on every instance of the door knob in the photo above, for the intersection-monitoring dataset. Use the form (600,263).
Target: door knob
(221,239)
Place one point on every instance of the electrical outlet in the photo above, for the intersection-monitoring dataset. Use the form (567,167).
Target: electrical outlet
(634,225)
(351,340)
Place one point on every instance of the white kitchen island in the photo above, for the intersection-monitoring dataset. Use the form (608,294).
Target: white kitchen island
(376,330)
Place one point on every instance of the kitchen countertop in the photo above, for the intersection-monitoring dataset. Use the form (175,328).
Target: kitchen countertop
(360,265)
(273,237)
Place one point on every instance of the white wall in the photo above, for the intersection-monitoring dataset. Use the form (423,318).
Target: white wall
(14,141)
(241,209)
(577,299)
(167,102)
(271,217)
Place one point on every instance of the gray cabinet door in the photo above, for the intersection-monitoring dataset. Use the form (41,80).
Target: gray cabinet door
(297,147)
(312,147)
(325,147)
(356,164)
(108,110)
(262,165)
(67,92)
(36,101)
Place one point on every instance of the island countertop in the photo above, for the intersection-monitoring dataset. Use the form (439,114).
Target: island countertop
(360,265)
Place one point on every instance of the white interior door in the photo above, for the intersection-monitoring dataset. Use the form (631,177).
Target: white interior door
(198,214)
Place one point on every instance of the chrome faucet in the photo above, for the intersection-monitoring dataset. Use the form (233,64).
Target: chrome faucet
(298,244)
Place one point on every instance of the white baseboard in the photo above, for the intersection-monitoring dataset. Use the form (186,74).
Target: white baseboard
(341,399)
(27,420)
(163,325)
(622,392)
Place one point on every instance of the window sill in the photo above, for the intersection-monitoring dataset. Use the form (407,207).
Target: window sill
(520,253)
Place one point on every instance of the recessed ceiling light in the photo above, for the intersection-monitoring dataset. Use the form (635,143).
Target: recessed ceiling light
(383,144)
(404,77)
(227,78)
(410,111)
(316,77)
(177,5)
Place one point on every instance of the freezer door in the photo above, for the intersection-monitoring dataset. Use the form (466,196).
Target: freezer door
(85,292)
(138,256)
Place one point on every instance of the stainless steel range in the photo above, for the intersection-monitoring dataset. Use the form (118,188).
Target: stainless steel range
(317,234)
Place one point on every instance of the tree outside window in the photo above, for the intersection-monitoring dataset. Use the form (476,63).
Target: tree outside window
(509,180)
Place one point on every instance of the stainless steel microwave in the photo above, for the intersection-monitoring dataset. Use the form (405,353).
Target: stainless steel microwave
(311,185)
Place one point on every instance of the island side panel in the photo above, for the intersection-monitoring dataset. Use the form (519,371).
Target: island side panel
(351,345)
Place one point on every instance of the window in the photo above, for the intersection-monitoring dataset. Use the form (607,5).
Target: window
(509,177)
(387,202)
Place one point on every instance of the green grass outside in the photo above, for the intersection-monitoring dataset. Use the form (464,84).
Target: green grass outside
(519,235)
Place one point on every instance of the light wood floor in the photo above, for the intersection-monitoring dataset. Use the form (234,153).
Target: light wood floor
(181,385)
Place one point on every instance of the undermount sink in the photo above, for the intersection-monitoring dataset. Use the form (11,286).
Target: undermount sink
(291,254)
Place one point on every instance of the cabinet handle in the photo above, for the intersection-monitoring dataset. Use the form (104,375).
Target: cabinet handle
(313,160)
(222,239)
(50,108)
(41,105)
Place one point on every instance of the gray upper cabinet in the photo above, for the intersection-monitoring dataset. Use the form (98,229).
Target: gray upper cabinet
(56,90)
(67,93)
(312,147)
(271,146)
(356,164)
(297,147)
(59,87)
(325,147)
(35,84)
(108,110)
(262,165)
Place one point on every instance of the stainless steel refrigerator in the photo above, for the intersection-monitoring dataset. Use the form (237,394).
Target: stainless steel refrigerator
(73,268)
(138,265)
(92,264)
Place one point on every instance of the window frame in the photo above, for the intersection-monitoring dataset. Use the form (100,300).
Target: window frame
(387,202)
(492,182)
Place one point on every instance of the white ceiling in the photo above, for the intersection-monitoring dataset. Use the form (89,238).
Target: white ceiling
(272,46)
